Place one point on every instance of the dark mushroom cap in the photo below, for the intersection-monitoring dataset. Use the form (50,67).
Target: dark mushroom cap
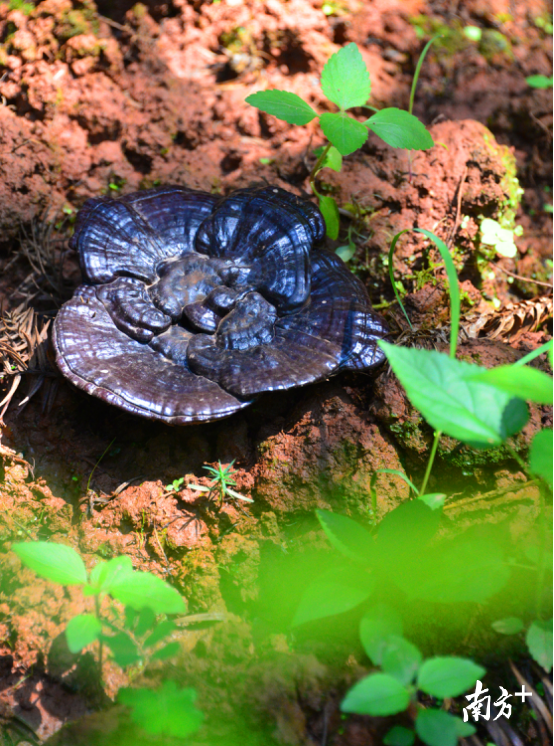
(195,305)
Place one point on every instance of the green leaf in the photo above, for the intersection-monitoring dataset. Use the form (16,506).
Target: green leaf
(377,694)
(436,728)
(539,642)
(399,129)
(81,631)
(521,381)
(284,105)
(330,212)
(546,347)
(443,391)
(56,562)
(453,286)
(142,589)
(448,676)
(168,711)
(376,627)
(346,252)
(435,500)
(463,730)
(333,159)
(145,622)
(406,530)
(539,81)
(540,456)
(345,78)
(162,630)
(123,649)
(399,736)
(396,473)
(464,569)
(510,625)
(168,651)
(346,535)
(346,133)
(333,593)
(104,574)
(400,659)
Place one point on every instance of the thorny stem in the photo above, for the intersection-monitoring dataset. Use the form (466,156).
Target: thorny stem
(432,455)
(317,168)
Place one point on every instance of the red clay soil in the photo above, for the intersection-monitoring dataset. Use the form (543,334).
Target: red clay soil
(115,97)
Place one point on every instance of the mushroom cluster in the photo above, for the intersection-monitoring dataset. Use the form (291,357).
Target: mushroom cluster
(193,304)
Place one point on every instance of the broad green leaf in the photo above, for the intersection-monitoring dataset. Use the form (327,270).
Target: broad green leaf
(145,622)
(284,105)
(406,530)
(81,630)
(510,625)
(399,736)
(539,642)
(376,627)
(142,589)
(520,381)
(345,78)
(400,659)
(540,456)
(56,562)
(442,390)
(377,694)
(333,159)
(333,593)
(435,500)
(436,728)
(346,535)
(330,212)
(346,252)
(400,129)
(162,630)
(167,711)
(168,651)
(346,133)
(123,649)
(463,569)
(115,570)
(448,676)
(539,81)
(463,730)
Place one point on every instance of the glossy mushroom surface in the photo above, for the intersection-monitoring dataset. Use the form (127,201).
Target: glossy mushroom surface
(194,305)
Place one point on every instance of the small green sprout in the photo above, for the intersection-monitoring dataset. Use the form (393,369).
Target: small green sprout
(346,83)
(492,234)
(222,478)
(539,81)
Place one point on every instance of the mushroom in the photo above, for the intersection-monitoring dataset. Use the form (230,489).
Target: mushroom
(193,306)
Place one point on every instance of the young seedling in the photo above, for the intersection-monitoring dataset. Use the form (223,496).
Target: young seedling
(132,638)
(346,83)
(222,478)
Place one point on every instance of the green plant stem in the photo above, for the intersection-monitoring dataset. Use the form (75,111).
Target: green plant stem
(541,568)
(99,460)
(432,455)
(519,460)
(317,168)
(391,275)
(100,642)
